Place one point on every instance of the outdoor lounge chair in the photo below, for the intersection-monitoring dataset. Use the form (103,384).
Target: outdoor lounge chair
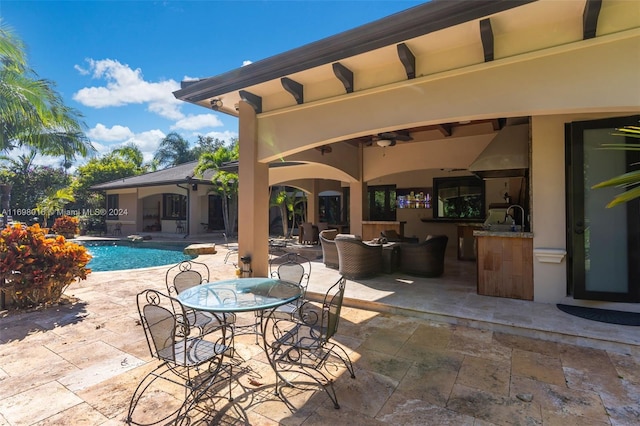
(302,346)
(357,259)
(393,237)
(425,258)
(308,233)
(329,250)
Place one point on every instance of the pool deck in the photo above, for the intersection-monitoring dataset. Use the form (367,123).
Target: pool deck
(426,352)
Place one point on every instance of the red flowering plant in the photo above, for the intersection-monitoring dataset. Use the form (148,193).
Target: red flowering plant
(66,226)
(36,270)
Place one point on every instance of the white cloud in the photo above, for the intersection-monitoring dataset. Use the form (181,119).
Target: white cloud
(246,62)
(226,136)
(115,133)
(127,86)
(197,122)
(81,70)
(148,142)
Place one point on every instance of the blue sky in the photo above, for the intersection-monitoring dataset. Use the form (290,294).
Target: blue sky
(118,62)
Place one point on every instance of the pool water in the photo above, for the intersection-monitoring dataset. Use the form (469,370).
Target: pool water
(122,255)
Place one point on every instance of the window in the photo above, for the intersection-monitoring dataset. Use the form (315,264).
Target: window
(459,198)
(382,202)
(112,207)
(329,208)
(174,207)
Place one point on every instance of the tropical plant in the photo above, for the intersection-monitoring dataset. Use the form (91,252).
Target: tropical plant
(131,153)
(66,225)
(631,180)
(98,170)
(54,203)
(32,113)
(31,183)
(173,150)
(225,183)
(36,270)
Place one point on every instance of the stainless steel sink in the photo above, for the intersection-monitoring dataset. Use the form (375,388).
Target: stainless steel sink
(503,227)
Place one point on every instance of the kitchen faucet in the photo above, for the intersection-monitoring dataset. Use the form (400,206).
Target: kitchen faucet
(521,211)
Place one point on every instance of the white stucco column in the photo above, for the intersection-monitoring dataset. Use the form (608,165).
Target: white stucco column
(253,196)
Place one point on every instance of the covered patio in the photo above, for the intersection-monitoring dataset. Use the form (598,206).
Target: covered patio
(442,364)
(417,97)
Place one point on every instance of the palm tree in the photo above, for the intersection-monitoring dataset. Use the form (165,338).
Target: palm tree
(225,183)
(21,165)
(174,150)
(54,202)
(630,180)
(32,113)
(132,153)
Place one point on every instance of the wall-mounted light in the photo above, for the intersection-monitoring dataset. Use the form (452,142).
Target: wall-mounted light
(216,104)
(383,142)
(194,186)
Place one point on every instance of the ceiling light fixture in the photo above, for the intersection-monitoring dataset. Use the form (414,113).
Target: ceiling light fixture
(216,104)
(383,142)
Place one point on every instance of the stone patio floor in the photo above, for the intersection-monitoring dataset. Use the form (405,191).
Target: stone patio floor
(79,363)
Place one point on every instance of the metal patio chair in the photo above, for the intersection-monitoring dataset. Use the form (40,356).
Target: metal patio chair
(186,359)
(230,250)
(187,274)
(294,268)
(303,345)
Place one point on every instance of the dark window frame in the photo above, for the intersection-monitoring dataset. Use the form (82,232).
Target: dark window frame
(460,212)
(113,201)
(169,210)
(388,211)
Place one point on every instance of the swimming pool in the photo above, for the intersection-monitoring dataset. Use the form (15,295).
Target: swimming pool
(118,255)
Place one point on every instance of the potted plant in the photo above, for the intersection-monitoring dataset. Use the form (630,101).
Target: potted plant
(36,270)
(67,226)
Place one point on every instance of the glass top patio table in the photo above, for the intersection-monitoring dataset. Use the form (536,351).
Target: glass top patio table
(240,295)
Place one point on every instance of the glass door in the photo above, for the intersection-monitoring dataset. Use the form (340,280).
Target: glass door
(603,243)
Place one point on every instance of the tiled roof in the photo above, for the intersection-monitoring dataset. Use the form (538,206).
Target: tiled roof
(182,173)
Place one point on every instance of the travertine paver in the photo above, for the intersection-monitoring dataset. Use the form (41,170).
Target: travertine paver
(79,364)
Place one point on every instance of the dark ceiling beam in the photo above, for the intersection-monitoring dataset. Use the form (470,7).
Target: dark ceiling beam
(345,75)
(414,22)
(296,89)
(254,100)
(408,60)
(486,35)
(445,129)
(590,18)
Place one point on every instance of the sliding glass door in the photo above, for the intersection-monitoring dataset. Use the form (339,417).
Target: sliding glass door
(603,243)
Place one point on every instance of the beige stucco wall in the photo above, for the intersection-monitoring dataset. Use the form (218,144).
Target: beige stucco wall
(588,75)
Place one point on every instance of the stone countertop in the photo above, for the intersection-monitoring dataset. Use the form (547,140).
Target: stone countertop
(507,234)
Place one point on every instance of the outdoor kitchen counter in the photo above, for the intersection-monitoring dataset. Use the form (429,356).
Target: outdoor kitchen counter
(505,264)
(507,234)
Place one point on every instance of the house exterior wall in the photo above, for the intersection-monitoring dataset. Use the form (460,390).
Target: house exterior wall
(132,200)
(549,198)
(128,207)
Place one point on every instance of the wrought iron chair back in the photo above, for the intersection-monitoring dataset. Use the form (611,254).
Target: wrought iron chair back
(294,268)
(184,275)
(291,267)
(187,359)
(304,345)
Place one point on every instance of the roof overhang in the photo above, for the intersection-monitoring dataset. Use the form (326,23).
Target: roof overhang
(221,92)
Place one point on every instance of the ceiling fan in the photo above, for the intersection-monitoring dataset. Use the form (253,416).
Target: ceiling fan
(385,139)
